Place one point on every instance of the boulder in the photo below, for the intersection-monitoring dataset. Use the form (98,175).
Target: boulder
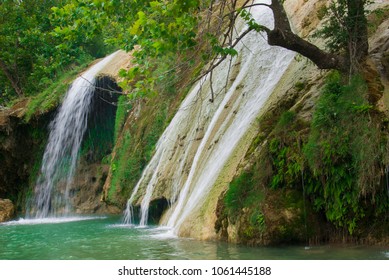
(7,210)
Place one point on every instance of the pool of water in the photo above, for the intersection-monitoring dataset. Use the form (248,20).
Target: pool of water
(104,238)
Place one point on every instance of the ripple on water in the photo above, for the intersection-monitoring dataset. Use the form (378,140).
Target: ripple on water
(154,232)
(56,220)
(120,226)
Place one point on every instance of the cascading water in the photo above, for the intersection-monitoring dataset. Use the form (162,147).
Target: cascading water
(164,154)
(203,136)
(51,197)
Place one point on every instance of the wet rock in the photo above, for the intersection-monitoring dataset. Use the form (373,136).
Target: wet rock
(7,210)
(20,144)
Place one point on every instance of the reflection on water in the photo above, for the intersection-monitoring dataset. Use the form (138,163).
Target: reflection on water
(105,238)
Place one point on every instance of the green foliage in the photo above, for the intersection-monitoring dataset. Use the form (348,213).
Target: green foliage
(162,29)
(334,31)
(237,192)
(98,140)
(123,108)
(257,220)
(243,192)
(286,164)
(33,52)
(163,34)
(158,28)
(285,152)
(286,119)
(344,167)
(78,27)
(341,24)
(250,21)
(337,164)
(134,149)
(49,98)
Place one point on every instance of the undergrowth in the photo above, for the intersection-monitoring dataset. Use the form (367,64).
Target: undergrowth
(345,153)
(337,162)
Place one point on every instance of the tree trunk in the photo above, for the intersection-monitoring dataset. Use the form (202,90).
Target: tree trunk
(291,41)
(11,79)
(283,36)
(358,35)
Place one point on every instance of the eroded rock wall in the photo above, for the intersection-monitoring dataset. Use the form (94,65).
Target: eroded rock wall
(21,146)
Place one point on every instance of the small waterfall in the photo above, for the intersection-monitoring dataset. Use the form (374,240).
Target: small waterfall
(163,155)
(203,136)
(51,197)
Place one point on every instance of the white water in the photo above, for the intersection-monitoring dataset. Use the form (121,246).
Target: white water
(61,220)
(162,155)
(210,132)
(51,197)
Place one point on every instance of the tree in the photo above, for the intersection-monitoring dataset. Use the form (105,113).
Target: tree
(166,29)
(33,53)
(282,35)
(25,46)
(345,30)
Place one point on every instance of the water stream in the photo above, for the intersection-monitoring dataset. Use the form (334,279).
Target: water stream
(51,197)
(203,136)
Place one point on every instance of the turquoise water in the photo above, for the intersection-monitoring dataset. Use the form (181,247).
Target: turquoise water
(103,238)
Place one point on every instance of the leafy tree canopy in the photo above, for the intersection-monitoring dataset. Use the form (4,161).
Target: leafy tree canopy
(60,31)
(31,51)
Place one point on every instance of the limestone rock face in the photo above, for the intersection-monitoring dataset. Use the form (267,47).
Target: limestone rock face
(7,210)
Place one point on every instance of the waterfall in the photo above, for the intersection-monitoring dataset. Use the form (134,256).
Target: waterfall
(51,196)
(162,155)
(203,136)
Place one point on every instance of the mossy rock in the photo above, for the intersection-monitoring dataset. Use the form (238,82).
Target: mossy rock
(285,217)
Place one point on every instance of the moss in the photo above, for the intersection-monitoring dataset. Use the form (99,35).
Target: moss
(135,148)
(32,145)
(49,98)
(97,142)
(300,86)
(124,106)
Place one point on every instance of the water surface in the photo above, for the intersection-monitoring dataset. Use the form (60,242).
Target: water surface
(104,238)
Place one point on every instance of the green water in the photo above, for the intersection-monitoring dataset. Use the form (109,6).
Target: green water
(104,238)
